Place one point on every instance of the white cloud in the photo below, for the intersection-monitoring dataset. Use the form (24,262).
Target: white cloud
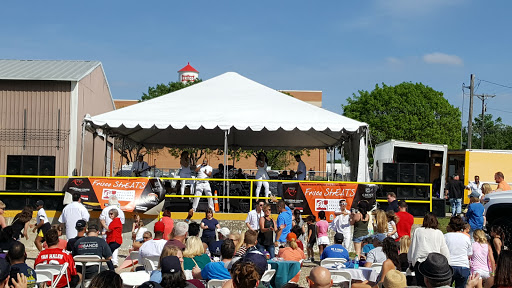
(441,58)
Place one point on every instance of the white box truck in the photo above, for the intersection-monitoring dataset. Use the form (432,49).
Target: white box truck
(410,162)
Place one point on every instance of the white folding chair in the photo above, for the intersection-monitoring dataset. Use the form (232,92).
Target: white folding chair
(43,276)
(339,277)
(377,267)
(134,279)
(332,261)
(149,265)
(90,263)
(215,283)
(56,270)
(268,275)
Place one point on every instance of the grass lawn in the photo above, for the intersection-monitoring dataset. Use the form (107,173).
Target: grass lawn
(443,222)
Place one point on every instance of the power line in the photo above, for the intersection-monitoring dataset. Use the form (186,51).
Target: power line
(504,111)
(506,86)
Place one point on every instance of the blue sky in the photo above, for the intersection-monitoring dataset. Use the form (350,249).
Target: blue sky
(338,47)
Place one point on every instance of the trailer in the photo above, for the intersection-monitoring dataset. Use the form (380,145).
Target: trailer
(411,162)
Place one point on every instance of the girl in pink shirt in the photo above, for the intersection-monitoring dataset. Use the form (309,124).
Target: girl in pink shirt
(482,261)
(321,229)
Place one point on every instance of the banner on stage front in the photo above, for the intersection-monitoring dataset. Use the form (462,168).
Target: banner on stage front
(316,197)
(136,194)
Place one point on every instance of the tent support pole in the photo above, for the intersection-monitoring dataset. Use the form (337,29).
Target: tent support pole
(106,149)
(366,172)
(332,163)
(226,190)
(82,149)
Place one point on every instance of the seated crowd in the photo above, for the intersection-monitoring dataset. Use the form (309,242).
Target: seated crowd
(185,257)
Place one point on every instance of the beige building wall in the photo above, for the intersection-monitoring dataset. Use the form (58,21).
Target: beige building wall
(42,101)
(93,98)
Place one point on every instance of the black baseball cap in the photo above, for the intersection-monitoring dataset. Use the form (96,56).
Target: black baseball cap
(80,224)
(39,203)
(150,284)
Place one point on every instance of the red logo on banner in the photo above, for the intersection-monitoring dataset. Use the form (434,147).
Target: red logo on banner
(321,204)
(291,191)
(77,182)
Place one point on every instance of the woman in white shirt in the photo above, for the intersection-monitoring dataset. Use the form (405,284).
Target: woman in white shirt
(460,249)
(425,240)
(261,163)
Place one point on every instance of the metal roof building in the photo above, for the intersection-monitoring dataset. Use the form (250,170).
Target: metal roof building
(42,104)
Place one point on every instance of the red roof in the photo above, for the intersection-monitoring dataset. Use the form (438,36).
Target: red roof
(188,68)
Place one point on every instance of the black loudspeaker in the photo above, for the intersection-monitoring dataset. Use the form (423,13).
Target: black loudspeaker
(28,184)
(390,172)
(439,207)
(406,171)
(178,205)
(422,173)
(47,165)
(418,209)
(421,192)
(12,184)
(405,192)
(46,184)
(13,165)
(30,165)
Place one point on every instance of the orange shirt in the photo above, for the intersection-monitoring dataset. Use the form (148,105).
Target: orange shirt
(289,254)
(169,225)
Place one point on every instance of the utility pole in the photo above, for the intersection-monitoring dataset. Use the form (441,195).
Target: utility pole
(470,120)
(483,97)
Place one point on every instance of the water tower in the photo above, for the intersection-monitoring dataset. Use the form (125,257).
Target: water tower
(187,73)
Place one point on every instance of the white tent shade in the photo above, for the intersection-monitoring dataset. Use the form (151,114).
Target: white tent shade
(256,116)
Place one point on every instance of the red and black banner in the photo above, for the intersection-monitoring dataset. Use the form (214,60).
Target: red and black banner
(135,194)
(316,197)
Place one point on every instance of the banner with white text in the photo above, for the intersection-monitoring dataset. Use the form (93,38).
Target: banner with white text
(136,194)
(316,197)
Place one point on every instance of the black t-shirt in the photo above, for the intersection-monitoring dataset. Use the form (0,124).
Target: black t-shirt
(312,228)
(393,206)
(27,271)
(6,245)
(71,243)
(91,245)
(455,189)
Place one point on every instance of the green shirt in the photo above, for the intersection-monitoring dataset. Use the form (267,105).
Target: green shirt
(201,261)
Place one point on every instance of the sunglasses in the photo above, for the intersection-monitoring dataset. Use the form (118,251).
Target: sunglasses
(146,237)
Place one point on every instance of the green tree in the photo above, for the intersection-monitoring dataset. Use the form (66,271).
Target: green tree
(162,89)
(497,135)
(407,111)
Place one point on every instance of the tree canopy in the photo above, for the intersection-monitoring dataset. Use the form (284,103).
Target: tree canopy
(162,89)
(497,135)
(407,111)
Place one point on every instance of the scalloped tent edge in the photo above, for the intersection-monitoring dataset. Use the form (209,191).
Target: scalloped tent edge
(233,111)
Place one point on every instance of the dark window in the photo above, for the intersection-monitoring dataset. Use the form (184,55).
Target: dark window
(30,165)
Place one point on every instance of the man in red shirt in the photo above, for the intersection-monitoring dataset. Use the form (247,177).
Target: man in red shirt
(168,222)
(403,227)
(54,255)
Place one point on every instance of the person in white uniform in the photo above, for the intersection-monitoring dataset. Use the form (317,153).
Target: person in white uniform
(186,172)
(105,220)
(73,212)
(301,168)
(140,167)
(341,224)
(475,187)
(204,171)
(262,174)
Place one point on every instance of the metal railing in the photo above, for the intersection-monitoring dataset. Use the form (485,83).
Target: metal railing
(248,195)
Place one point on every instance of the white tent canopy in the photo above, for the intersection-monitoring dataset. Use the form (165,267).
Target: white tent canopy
(254,116)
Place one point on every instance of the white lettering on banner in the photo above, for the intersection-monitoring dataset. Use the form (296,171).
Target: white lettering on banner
(331,192)
(327,204)
(119,184)
(122,195)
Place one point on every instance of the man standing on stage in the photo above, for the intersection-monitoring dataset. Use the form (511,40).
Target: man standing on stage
(204,171)
(301,168)
(140,167)
(341,224)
